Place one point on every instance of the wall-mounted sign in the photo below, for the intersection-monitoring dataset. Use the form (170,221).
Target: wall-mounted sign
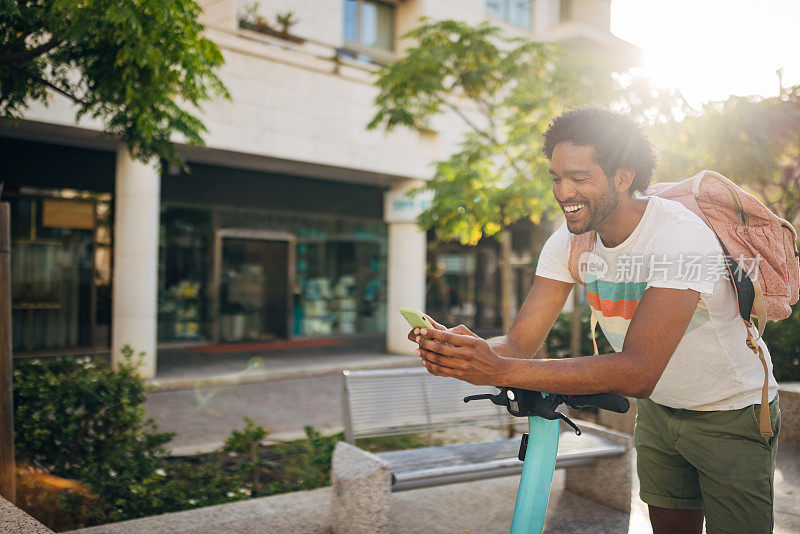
(62,213)
(399,207)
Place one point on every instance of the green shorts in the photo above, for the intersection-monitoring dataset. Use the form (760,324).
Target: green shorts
(715,461)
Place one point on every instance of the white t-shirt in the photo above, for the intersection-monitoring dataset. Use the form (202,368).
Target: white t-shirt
(712,368)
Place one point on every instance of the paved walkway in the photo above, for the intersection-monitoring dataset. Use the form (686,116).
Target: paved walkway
(203,416)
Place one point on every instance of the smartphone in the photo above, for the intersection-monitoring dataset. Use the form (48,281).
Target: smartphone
(416,319)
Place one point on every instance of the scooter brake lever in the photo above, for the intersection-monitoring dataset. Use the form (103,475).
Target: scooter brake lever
(498,399)
(569,422)
(484,396)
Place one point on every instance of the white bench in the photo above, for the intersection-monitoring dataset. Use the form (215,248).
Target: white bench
(402,401)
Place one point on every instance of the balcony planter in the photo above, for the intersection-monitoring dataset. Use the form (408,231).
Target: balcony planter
(263,28)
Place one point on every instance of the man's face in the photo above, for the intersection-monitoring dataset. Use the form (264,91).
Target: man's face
(584,192)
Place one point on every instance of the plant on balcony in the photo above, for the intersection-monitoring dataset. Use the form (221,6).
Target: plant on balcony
(286,20)
(254,21)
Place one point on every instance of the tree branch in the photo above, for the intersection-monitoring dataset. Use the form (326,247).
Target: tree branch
(30,53)
(491,138)
(50,85)
(466,119)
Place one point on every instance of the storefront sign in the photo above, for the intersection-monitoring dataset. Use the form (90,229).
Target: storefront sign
(399,207)
(59,213)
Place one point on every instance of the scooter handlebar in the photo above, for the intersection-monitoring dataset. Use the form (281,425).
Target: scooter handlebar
(604,401)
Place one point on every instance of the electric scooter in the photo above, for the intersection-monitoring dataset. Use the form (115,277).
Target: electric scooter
(539,446)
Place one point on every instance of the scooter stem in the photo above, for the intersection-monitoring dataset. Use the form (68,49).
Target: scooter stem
(537,476)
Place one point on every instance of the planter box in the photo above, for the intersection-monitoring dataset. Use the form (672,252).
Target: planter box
(262,28)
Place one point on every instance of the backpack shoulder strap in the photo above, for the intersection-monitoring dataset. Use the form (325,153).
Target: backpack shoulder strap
(580,243)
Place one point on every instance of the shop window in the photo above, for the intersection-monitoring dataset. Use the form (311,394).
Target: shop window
(516,12)
(369,29)
(340,283)
(184,256)
(60,269)
(280,275)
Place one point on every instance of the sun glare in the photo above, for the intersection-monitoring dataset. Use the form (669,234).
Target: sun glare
(710,49)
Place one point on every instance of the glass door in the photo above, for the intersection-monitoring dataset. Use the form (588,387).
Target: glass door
(254,288)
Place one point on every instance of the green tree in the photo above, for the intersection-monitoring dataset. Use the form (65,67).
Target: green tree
(134,64)
(505,91)
(754,141)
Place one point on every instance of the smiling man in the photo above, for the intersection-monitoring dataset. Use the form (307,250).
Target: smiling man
(678,340)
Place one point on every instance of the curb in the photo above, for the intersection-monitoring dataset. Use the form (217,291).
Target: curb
(250,376)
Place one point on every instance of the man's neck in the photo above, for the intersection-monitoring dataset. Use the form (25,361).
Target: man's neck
(618,226)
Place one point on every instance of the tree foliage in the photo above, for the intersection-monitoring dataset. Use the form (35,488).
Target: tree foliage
(754,141)
(134,64)
(505,91)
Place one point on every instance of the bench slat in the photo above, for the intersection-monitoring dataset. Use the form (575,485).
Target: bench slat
(489,422)
(423,458)
(433,466)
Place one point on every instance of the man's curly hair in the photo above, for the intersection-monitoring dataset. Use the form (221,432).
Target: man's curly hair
(617,140)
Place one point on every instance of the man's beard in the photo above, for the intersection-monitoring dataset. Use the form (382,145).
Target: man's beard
(599,211)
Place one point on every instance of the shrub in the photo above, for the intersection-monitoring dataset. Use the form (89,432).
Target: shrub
(245,443)
(783,341)
(558,340)
(78,419)
(303,464)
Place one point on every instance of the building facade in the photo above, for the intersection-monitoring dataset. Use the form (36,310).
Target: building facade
(293,220)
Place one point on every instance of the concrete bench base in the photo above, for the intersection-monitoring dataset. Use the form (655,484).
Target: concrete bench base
(15,521)
(360,488)
(607,480)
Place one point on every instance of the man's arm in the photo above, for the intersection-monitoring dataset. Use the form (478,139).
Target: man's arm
(540,310)
(653,335)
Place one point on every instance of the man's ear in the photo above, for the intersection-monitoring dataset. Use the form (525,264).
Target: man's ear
(623,180)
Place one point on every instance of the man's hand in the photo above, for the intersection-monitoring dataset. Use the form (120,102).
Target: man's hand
(461,355)
(460,329)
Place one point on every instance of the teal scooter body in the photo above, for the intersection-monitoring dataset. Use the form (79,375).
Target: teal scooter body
(537,476)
